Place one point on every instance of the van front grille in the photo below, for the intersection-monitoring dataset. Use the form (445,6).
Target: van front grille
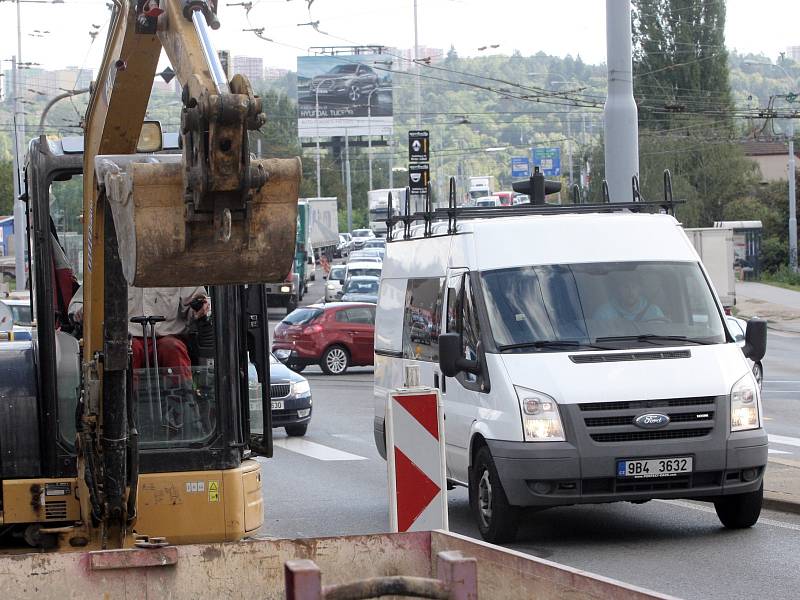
(661,434)
(690,417)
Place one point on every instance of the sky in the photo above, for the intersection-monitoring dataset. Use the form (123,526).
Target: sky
(561,27)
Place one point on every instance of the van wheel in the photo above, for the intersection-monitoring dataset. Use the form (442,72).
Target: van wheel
(335,360)
(740,511)
(497,520)
(296,430)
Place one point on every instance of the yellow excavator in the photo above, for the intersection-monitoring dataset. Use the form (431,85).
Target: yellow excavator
(90,456)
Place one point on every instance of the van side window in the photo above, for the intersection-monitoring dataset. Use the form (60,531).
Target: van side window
(421,319)
(462,318)
(471,328)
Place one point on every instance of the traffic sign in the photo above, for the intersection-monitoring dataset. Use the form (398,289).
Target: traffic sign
(520,166)
(418,146)
(418,177)
(548,160)
(416,460)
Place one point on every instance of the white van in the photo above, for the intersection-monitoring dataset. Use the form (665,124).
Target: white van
(582,358)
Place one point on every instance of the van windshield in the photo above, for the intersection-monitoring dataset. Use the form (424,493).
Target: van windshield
(563,308)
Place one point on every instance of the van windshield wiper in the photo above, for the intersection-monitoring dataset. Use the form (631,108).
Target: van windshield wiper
(653,338)
(551,344)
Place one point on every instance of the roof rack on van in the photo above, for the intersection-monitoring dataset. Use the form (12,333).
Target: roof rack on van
(539,188)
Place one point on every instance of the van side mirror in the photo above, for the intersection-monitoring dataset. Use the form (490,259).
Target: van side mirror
(755,339)
(451,361)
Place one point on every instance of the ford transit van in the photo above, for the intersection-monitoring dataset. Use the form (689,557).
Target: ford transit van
(581,358)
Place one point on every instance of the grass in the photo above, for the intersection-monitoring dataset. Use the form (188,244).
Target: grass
(783,278)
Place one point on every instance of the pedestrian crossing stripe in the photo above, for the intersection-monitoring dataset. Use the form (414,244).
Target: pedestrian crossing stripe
(213,491)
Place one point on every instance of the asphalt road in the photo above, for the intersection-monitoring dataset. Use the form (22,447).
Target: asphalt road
(333,482)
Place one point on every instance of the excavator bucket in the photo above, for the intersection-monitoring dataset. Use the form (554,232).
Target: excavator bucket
(164,242)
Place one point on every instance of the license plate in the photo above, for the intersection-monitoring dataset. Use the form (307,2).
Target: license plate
(277,404)
(654,467)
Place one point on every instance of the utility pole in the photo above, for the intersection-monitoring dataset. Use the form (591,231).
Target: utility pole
(619,115)
(792,202)
(20,228)
(347,181)
(416,64)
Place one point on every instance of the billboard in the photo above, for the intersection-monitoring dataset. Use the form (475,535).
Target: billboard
(353,93)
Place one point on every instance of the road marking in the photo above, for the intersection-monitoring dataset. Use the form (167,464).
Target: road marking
(708,509)
(784,440)
(314,450)
(773,451)
(781,381)
(780,391)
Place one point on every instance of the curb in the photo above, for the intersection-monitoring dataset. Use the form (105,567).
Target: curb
(776,501)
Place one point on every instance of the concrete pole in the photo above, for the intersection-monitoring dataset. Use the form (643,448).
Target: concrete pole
(620,116)
(569,151)
(20,228)
(416,63)
(347,180)
(792,202)
(369,135)
(391,162)
(316,118)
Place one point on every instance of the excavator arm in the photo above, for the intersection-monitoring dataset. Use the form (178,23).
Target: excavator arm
(213,216)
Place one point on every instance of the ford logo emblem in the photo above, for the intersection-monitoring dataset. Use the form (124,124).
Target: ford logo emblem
(651,421)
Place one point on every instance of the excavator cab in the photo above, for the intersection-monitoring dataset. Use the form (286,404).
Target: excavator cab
(190,473)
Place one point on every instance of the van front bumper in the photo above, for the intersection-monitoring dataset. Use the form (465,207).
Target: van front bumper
(559,473)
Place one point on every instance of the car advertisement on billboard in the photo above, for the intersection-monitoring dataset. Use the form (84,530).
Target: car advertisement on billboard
(344,95)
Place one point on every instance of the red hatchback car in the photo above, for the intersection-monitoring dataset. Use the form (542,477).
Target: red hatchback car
(335,336)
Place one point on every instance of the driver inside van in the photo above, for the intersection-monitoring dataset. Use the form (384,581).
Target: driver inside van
(628,301)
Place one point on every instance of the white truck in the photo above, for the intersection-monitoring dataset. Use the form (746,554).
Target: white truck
(323,225)
(715,248)
(481,186)
(378,206)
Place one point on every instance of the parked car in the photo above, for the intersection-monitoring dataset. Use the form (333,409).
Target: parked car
(335,336)
(363,268)
(522,199)
(352,80)
(488,201)
(361,288)
(738,329)
(290,395)
(333,285)
(343,247)
(360,237)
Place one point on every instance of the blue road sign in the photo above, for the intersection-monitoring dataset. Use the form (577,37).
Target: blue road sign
(520,166)
(548,160)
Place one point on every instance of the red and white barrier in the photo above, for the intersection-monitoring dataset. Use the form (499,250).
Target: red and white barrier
(415,455)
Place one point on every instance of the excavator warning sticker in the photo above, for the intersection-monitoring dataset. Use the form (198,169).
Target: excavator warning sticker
(213,491)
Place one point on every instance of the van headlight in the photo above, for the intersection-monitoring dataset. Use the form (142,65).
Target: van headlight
(744,405)
(301,388)
(541,421)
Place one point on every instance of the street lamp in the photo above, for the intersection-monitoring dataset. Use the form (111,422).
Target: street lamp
(316,118)
(790,175)
(369,133)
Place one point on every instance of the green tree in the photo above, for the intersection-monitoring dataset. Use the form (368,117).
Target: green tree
(6,187)
(680,61)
